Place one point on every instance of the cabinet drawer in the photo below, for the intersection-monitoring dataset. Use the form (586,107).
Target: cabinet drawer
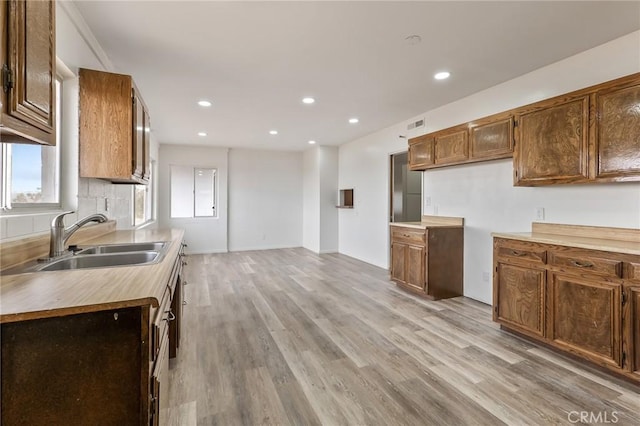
(529,254)
(633,271)
(408,235)
(580,261)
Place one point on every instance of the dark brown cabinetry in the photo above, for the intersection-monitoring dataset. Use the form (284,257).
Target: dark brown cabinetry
(632,338)
(591,135)
(552,143)
(616,138)
(579,300)
(427,260)
(489,138)
(421,152)
(114,128)
(28,72)
(94,368)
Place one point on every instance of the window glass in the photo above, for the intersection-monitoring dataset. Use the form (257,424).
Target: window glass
(193,192)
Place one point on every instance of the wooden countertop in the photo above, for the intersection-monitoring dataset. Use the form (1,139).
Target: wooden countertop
(616,240)
(432,222)
(58,293)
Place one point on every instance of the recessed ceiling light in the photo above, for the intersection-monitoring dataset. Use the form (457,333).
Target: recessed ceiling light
(353,120)
(308,100)
(442,75)
(273,132)
(204,103)
(202,133)
(312,142)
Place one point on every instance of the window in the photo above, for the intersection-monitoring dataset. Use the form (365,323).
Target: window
(30,174)
(193,192)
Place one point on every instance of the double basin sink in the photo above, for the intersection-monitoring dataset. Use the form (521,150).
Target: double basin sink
(107,255)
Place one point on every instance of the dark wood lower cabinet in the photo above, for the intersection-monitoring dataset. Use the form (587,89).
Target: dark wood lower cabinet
(84,369)
(520,297)
(427,260)
(108,367)
(585,302)
(585,317)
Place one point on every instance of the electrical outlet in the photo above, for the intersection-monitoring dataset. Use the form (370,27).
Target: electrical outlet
(539,213)
(427,201)
(486,276)
(106,204)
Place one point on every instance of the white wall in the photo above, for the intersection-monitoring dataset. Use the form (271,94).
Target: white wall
(328,193)
(311,200)
(265,199)
(320,197)
(202,234)
(482,193)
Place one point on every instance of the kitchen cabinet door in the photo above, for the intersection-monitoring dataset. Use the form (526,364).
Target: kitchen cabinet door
(492,140)
(632,335)
(617,133)
(552,143)
(137,147)
(421,152)
(519,296)
(452,147)
(398,262)
(28,71)
(585,317)
(415,274)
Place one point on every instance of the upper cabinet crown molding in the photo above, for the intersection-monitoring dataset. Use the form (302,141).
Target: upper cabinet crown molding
(28,95)
(114,128)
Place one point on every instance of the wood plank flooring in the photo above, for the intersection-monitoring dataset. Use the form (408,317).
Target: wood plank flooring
(288,337)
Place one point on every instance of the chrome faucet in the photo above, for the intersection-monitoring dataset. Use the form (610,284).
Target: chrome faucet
(60,234)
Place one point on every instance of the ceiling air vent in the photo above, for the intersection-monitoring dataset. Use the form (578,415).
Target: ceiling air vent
(415,124)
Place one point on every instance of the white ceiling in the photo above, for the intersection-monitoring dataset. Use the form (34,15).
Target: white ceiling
(256,60)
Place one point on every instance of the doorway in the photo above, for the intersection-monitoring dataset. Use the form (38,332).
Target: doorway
(405,191)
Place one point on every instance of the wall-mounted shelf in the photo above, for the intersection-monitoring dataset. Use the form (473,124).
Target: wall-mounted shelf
(346,199)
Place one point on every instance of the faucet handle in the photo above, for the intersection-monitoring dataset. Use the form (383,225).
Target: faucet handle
(58,221)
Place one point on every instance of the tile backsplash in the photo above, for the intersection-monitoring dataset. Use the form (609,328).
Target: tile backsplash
(94,196)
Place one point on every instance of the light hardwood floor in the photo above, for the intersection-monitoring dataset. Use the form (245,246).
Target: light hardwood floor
(290,337)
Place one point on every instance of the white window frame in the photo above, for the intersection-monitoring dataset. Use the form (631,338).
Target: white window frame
(192,189)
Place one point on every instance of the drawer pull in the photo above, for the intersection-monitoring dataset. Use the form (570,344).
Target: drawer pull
(184,262)
(170,316)
(518,253)
(581,264)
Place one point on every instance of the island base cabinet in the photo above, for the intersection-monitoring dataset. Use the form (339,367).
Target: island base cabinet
(519,298)
(77,369)
(585,317)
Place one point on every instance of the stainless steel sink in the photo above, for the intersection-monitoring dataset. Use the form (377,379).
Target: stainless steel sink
(123,248)
(102,261)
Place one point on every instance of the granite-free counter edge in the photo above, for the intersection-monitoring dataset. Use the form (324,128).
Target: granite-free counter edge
(615,246)
(58,293)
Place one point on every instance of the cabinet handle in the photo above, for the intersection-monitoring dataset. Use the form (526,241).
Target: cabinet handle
(518,253)
(184,302)
(581,264)
(170,316)
(184,282)
(406,235)
(184,262)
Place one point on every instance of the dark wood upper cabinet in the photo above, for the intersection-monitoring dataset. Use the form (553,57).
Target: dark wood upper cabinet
(617,132)
(491,140)
(452,146)
(552,143)
(114,137)
(421,152)
(28,72)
